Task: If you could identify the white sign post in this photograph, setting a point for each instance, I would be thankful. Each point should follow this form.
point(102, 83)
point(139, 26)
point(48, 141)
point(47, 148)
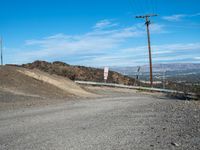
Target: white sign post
point(106, 70)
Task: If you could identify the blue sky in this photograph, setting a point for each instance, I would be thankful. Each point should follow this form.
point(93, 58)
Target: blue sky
point(99, 32)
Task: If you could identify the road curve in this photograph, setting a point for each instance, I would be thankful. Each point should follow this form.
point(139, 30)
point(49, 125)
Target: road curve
point(128, 122)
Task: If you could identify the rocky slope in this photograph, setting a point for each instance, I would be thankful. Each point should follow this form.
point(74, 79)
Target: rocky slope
point(79, 72)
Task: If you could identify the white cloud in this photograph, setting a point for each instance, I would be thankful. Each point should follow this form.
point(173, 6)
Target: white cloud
point(139, 55)
point(95, 41)
point(197, 58)
point(180, 46)
point(195, 15)
point(92, 42)
point(98, 47)
point(119, 57)
point(161, 52)
point(167, 47)
point(157, 28)
point(177, 17)
point(104, 24)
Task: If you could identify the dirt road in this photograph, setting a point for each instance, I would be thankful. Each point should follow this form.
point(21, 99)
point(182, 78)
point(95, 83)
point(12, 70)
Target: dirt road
point(136, 121)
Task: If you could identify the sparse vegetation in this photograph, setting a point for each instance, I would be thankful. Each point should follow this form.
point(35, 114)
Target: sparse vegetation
point(79, 72)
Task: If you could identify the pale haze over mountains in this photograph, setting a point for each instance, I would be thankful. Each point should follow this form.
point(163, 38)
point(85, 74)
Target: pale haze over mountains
point(159, 68)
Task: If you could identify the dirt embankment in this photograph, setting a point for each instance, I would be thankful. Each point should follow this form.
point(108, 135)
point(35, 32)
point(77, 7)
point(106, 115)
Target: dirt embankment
point(62, 83)
point(79, 72)
point(24, 86)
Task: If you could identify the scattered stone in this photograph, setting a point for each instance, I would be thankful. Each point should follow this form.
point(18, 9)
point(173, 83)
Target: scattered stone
point(174, 144)
point(164, 128)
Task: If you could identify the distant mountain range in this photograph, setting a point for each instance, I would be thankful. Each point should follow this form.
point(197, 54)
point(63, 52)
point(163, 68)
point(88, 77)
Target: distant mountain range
point(158, 68)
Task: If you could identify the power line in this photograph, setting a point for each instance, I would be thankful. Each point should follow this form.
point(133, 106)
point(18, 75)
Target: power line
point(147, 22)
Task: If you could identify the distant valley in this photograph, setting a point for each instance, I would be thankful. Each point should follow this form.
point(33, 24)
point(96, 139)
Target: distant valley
point(180, 72)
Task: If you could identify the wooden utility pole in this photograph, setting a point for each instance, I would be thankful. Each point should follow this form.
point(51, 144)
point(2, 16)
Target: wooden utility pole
point(1, 42)
point(148, 22)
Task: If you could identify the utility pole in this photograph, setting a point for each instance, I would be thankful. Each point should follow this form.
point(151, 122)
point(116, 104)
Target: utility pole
point(148, 22)
point(1, 42)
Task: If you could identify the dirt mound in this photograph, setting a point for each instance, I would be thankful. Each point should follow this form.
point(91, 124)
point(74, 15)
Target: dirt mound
point(79, 72)
point(36, 84)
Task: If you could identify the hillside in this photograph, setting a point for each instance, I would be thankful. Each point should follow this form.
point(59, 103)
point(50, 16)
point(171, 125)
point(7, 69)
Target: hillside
point(79, 72)
point(30, 86)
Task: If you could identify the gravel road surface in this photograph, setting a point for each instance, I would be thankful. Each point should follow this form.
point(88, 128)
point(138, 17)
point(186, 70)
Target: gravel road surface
point(136, 121)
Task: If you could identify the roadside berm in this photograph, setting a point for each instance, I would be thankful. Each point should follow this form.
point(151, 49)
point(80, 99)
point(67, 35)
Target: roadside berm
point(20, 84)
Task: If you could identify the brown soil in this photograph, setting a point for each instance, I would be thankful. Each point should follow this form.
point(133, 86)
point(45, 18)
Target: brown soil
point(23, 86)
point(79, 72)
